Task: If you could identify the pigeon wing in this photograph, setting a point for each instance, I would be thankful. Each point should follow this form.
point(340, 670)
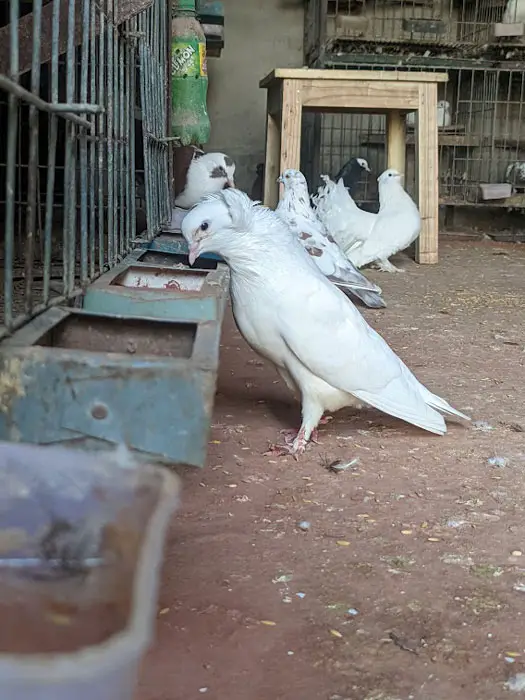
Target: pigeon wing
point(337, 345)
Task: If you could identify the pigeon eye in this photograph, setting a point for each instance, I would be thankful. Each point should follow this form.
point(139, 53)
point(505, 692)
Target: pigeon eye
point(204, 226)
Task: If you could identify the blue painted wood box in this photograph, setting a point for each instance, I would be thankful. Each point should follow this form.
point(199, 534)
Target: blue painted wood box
point(161, 285)
point(94, 380)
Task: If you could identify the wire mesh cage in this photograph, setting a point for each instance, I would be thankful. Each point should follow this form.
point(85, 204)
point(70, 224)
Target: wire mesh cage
point(75, 80)
point(481, 135)
point(334, 24)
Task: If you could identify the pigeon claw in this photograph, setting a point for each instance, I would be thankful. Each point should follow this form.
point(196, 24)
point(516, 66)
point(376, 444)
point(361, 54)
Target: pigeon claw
point(275, 450)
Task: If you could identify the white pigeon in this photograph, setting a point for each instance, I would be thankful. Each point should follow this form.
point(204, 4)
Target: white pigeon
point(336, 209)
point(207, 173)
point(444, 117)
point(514, 12)
point(397, 225)
point(295, 210)
point(292, 315)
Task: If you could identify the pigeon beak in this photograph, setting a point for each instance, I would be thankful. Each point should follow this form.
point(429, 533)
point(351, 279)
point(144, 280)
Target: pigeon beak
point(194, 252)
point(368, 169)
point(280, 180)
point(231, 182)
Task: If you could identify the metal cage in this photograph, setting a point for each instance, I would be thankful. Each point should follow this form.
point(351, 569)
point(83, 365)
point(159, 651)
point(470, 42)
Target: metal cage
point(336, 25)
point(83, 106)
point(480, 140)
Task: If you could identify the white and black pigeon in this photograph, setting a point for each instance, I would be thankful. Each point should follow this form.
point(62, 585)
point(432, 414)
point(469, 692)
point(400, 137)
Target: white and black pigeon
point(397, 225)
point(341, 216)
point(292, 315)
point(207, 173)
point(295, 210)
point(515, 174)
point(352, 172)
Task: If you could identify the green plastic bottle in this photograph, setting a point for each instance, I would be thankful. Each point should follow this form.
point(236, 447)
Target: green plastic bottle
point(189, 76)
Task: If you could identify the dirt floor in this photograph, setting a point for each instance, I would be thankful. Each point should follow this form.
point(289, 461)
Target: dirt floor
point(400, 577)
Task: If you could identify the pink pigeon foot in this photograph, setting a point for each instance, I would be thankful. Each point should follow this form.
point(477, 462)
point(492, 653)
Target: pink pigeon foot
point(297, 447)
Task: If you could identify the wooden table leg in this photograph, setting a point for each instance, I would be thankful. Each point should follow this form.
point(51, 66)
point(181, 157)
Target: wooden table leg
point(291, 125)
point(271, 170)
point(427, 168)
point(396, 140)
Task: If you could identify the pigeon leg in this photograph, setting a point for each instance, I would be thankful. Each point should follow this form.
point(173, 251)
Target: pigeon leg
point(312, 414)
point(386, 266)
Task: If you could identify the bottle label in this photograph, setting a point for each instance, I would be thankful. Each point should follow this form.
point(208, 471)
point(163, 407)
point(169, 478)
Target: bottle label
point(202, 59)
point(188, 58)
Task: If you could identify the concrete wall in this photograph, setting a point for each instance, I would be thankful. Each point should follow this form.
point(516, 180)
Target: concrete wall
point(259, 36)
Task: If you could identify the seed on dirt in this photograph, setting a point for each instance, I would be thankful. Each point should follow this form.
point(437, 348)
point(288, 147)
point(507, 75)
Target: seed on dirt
point(268, 623)
point(433, 539)
point(406, 532)
point(343, 543)
point(516, 553)
point(336, 634)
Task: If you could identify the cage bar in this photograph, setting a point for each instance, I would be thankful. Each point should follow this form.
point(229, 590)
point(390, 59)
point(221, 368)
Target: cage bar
point(68, 75)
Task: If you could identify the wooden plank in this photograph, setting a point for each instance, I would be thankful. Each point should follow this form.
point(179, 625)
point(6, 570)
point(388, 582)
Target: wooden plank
point(360, 75)
point(126, 9)
point(396, 140)
point(291, 125)
point(273, 160)
point(372, 96)
point(427, 169)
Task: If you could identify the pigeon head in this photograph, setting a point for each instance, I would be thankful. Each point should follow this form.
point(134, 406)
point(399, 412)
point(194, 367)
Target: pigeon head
point(219, 223)
point(389, 176)
point(291, 178)
point(221, 169)
point(364, 164)
point(443, 104)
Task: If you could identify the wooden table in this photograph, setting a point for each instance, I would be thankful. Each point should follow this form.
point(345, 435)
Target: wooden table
point(394, 93)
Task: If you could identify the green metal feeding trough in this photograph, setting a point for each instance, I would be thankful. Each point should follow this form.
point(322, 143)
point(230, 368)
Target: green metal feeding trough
point(94, 380)
point(162, 286)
